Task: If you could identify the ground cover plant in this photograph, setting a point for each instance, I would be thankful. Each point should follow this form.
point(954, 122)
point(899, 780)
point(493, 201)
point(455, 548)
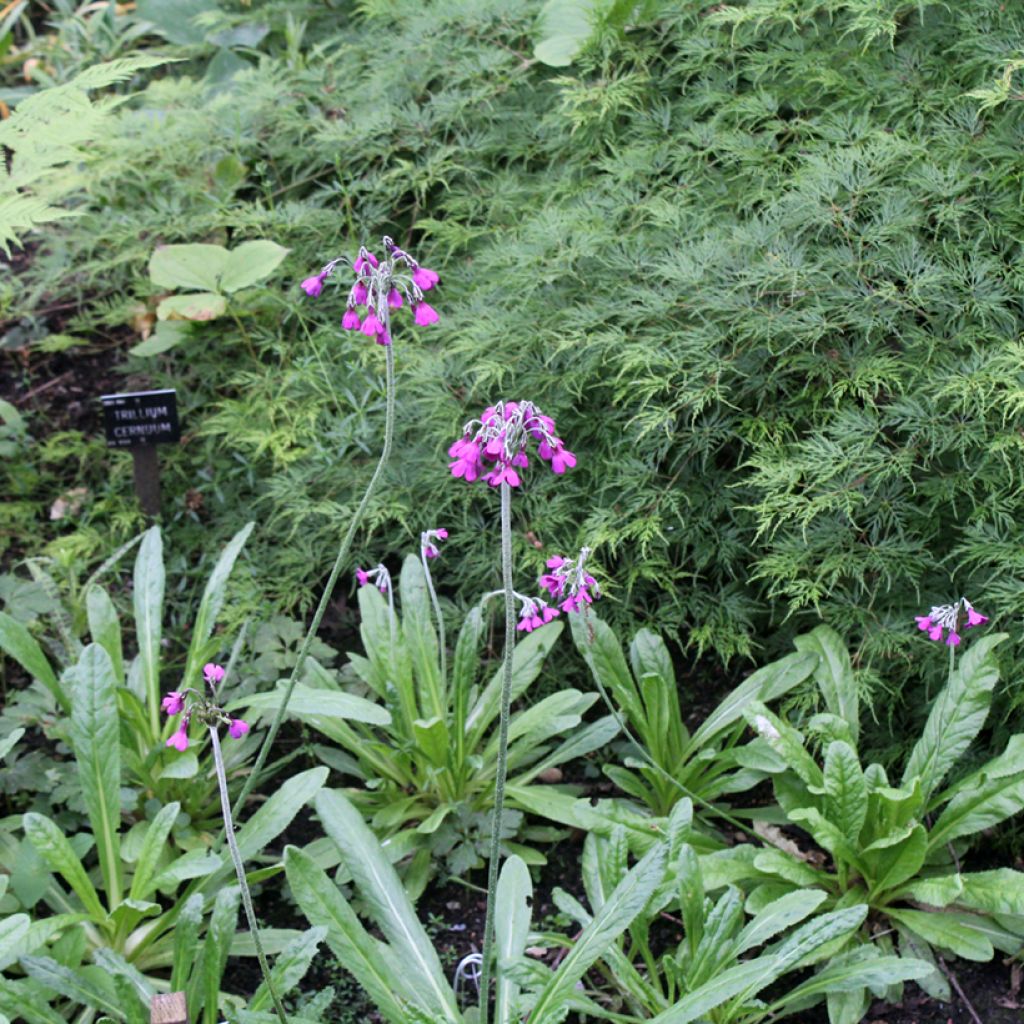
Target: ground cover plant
point(758, 261)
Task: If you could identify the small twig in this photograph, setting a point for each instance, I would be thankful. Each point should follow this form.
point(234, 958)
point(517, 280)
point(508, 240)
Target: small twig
point(959, 991)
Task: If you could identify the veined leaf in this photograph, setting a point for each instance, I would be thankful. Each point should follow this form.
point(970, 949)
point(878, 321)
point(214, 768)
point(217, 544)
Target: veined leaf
point(148, 599)
point(251, 262)
point(421, 640)
point(599, 645)
point(511, 926)
point(834, 675)
point(744, 979)
point(18, 643)
point(309, 704)
point(846, 792)
point(944, 930)
point(105, 628)
point(196, 265)
point(53, 846)
point(290, 966)
point(97, 743)
point(777, 916)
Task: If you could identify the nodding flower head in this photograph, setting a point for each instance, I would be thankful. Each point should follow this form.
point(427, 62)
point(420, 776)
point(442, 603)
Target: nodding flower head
point(494, 447)
point(173, 703)
point(179, 740)
point(378, 576)
point(237, 728)
point(535, 612)
point(394, 282)
point(953, 618)
point(569, 581)
point(428, 539)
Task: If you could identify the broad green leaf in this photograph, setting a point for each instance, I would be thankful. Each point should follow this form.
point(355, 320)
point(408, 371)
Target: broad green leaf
point(26, 999)
point(828, 836)
point(18, 643)
point(803, 946)
point(511, 926)
point(591, 737)
point(148, 599)
point(219, 933)
point(309, 704)
point(564, 26)
point(195, 864)
point(766, 684)
point(276, 813)
point(527, 661)
point(80, 986)
point(743, 980)
point(95, 731)
point(980, 802)
point(186, 942)
point(166, 335)
point(180, 766)
point(846, 792)
point(936, 892)
point(9, 742)
point(53, 846)
point(368, 960)
point(957, 716)
point(432, 739)
point(855, 970)
point(777, 916)
point(421, 640)
point(251, 262)
point(105, 627)
point(620, 909)
point(195, 266)
point(599, 645)
point(114, 964)
point(720, 928)
point(211, 604)
point(944, 930)
point(152, 847)
point(1000, 891)
point(13, 932)
point(193, 306)
point(385, 899)
point(784, 740)
point(899, 863)
point(290, 966)
point(834, 675)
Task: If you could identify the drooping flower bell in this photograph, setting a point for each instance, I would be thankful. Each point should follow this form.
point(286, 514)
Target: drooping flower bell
point(569, 580)
point(951, 619)
point(378, 577)
point(394, 282)
point(428, 542)
point(494, 446)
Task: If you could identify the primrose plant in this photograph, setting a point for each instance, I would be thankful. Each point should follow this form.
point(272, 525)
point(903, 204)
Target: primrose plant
point(381, 285)
point(899, 846)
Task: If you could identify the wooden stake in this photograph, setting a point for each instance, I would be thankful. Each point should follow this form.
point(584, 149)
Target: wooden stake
point(146, 470)
point(168, 1009)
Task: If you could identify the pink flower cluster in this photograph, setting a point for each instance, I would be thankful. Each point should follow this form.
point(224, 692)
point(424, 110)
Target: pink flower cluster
point(494, 447)
point(428, 539)
point(381, 286)
point(566, 581)
point(951, 618)
point(378, 576)
point(174, 704)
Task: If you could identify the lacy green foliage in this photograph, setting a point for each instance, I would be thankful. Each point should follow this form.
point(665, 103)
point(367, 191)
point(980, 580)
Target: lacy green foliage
point(761, 263)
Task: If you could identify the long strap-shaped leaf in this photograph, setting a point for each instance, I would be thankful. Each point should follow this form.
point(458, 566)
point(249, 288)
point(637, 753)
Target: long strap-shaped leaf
point(94, 730)
point(618, 912)
point(511, 925)
point(385, 898)
point(148, 593)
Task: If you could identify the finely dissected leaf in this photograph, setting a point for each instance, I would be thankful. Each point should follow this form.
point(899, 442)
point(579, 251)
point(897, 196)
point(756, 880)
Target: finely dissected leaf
point(621, 907)
point(511, 926)
point(957, 716)
point(846, 792)
point(369, 961)
point(251, 262)
point(212, 602)
point(95, 733)
point(151, 849)
point(834, 675)
point(290, 966)
point(18, 643)
point(105, 627)
point(54, 848)
point(382, 892)
point(148, 599)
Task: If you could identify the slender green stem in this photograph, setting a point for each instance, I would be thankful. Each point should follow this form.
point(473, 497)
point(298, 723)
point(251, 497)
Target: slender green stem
point(339, 564)
point(499, 787)
point(236, 857)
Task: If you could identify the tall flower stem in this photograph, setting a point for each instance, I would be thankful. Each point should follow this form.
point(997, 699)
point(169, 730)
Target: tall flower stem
point(339, 564)
point(499, 786)
point(236, 857)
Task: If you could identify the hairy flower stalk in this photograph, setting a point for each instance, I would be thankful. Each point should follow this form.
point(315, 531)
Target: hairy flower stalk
point(429, 550)
point(494, 449)
point(376, 282)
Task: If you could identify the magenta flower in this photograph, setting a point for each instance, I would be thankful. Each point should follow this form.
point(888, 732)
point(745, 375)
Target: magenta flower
point(424, 279)
point(569, 580)
point(362, 577)
point(180, 739)
point(425, 315)
point(371, 325)
point(395, 298)
point(923, 622)
point(313, 286)
point(364, 261)
point(350, 321)
point(359, 294)
point(975, 618)
point(935, 633)
point(173, 703)
point(213, 674)
point(952, 618)
point(237, 729)
point(494, 446)
point(383, 338)
point(953, 640)
point(379, 577)
point(529, 622)
point(427, 542)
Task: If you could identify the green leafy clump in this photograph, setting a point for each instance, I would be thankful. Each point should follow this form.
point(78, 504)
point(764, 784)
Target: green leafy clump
point(761, 265)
